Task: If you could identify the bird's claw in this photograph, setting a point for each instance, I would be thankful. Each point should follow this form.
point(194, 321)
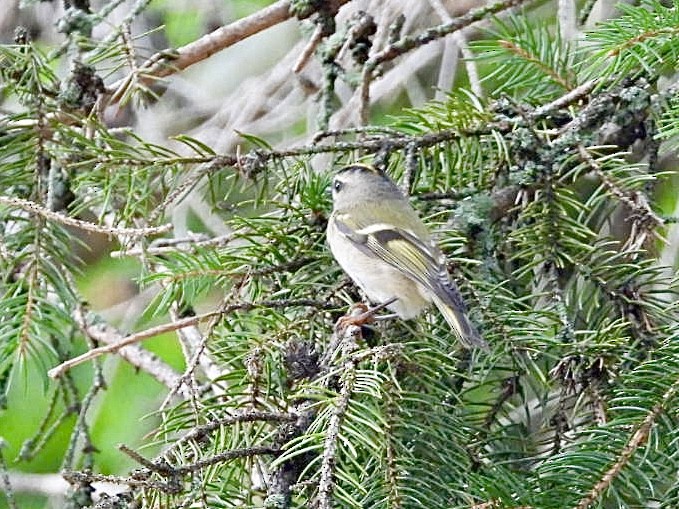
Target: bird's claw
point(360, 314)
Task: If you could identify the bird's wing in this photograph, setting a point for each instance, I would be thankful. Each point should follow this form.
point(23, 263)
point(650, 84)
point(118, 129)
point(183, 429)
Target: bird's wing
point(422, 261)
point(402, 249)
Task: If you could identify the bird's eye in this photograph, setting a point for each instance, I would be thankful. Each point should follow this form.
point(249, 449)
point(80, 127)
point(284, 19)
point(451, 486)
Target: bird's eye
point(337, 186)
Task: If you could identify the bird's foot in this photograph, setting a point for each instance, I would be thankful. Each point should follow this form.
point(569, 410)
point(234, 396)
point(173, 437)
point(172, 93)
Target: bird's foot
point(360, 314)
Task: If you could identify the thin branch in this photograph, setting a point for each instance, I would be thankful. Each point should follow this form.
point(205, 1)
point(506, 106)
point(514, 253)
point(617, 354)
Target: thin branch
point(326, 482)
point(578, 93)
point(134, 354)
point(160, 467)
point(59, 370)
point(166, 63)
point(254, 162)
point(406, 44)
point(199, 432)
point(227, 456)
point(309, 49)
point(34, 208)
point(637, 439)
point(75, 477)
point(437, 32)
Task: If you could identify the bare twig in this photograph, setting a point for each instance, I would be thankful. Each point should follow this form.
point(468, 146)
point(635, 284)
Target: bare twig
point(166, 63)
point(226, 456)
point(34, 208)
point(406, 44)
point(75, 477)
point(434, 33)
point(129, 340)
point(160, 467)
point(200, 432)
point(59, 370)
point(166, 470)
point(309, 49)
point(576, 94)
point(134, 354)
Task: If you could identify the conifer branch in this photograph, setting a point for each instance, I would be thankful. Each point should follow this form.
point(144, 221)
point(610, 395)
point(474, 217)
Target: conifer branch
point(34, 208)
point(638, 438)
point(519, 186)
point(348, 345)
point(634, 201)
point(528, 57)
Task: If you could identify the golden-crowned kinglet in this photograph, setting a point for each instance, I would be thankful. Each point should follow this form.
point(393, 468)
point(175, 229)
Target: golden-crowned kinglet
point(380, 241)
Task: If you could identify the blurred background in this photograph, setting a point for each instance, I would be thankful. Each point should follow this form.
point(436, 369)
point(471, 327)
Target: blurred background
point(249, 88)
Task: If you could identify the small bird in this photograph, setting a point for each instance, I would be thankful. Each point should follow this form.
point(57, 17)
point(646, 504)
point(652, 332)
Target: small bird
point(381, 243)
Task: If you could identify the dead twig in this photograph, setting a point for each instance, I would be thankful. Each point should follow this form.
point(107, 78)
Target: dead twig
point(59, 370)
point(166, 63)
point(111, 231)
point(404, 45)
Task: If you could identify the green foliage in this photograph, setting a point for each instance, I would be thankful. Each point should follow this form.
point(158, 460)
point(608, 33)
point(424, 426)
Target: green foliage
point(542, 202)
point(526, 61)
point(642, 42)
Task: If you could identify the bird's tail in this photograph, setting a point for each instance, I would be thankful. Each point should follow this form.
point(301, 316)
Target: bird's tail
point(453, 311)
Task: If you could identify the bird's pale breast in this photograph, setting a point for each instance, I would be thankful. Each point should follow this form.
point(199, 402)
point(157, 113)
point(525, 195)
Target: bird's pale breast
point(379, 280)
